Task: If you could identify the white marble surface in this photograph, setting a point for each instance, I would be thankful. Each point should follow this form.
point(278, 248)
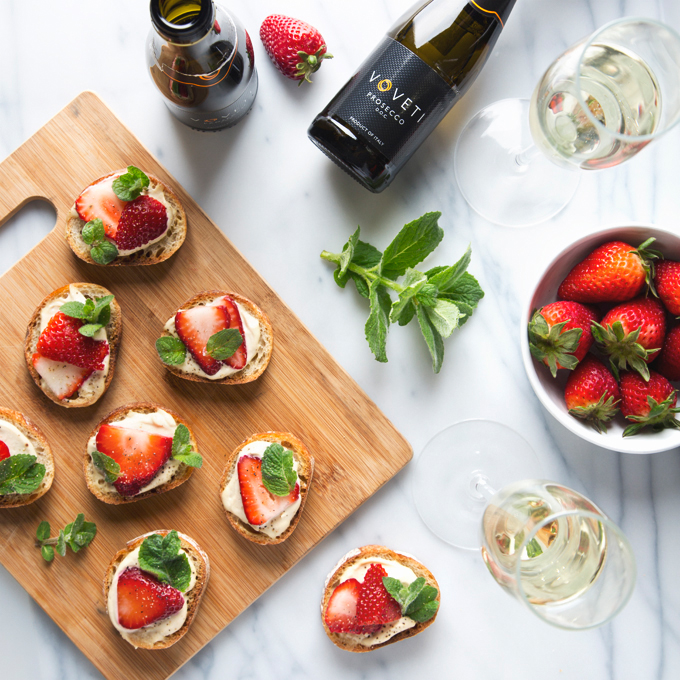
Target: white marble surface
point(282, 202)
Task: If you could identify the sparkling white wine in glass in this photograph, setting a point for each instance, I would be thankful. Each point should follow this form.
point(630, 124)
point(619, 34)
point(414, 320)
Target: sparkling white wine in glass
point(621, 94)
point(565, 556)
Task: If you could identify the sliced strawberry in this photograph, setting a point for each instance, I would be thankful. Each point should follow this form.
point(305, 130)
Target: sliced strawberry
point(4, 451)
point(341, 612)
point(375, 605)
point(99, 201)
point(61, 341)
point(142, 221)
point(62, 379)
point(195, 326)
point(258, 504)
point(240, 358)
point(140, 455)
point(143, 599)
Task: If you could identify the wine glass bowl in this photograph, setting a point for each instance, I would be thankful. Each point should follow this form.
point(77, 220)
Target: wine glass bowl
point(549, 390)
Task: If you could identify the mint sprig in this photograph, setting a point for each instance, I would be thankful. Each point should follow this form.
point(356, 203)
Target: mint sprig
point(171, 350)
point(160, 556)
point(96, 313)
point(20, 474)
point(223, 344)
point(102, 251)
point(278, 474)
point(417, 600)
point(442, 299)
point(129, 185)
point(182, 449)
point(76, 535)
point(107, 465)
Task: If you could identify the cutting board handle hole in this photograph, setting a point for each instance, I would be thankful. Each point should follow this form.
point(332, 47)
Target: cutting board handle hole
point(24, 230)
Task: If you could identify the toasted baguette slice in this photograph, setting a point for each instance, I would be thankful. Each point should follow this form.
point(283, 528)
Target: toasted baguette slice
point(151, 254)
point(114, 330)
point(344, 640)
point(107, 492)
point(43, 455)
point(193, 598)
point(256, 365)
point(305, 471)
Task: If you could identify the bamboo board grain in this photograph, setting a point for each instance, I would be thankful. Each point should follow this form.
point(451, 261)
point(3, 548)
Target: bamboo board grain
point(355, 447)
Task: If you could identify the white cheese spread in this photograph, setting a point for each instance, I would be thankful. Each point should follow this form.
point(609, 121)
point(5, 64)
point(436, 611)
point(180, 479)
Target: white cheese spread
point(15, 440)
point(231, 496)
point(154, 632)
point(158, 422)
point(253, 338)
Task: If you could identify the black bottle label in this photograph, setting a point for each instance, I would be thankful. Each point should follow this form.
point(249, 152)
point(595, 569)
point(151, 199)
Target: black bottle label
point(394, 100)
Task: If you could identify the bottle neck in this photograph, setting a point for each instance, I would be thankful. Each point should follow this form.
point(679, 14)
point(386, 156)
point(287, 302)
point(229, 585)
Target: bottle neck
point(499, 8)
point(182, 22)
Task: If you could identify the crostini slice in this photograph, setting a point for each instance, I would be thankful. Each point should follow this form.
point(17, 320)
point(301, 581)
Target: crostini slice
point(127, 217)
point(150, 605)
point(217, 337)
point(24, 479)
point(139, 450)
point(72, 343)
point(264, 486)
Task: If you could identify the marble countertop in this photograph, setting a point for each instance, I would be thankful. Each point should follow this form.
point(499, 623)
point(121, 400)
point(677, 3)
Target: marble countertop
point(282, 202)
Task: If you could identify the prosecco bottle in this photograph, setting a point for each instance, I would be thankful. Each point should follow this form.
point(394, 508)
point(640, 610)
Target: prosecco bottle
point(407, 85)
point(201, 60)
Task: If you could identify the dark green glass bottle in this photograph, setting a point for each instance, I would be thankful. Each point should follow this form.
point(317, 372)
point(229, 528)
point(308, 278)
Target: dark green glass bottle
point(407, 85)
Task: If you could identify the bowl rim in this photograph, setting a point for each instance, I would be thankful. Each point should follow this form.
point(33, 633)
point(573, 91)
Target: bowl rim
point(562, 416)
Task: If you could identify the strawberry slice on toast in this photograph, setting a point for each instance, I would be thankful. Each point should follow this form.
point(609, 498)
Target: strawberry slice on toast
point(99, 201)
point(259, 504)
point(143, 599)
point(341, 613)
point(4, 451)
point(195, 327)
point(140, 455)
point(62, 379)
point(375, 605)
point(240, 358)
point(142, 221)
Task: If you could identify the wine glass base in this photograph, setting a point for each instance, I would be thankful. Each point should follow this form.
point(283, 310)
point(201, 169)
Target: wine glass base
point(492, 181)
point(444, 480)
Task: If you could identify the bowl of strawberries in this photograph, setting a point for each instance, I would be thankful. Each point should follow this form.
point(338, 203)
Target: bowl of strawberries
point(601, 346)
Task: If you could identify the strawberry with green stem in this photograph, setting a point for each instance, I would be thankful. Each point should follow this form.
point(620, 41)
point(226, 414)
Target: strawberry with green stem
point(648, 403)
point(560, 335)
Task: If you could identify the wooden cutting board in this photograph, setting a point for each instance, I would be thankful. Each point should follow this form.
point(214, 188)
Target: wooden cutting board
point(303, 391)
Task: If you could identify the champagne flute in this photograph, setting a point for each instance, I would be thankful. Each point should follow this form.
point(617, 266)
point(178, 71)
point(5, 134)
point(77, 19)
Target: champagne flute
point(597, 105)
point(544, 543)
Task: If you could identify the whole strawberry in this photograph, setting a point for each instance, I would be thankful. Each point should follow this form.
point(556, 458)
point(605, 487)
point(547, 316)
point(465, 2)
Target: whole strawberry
point(592, 394)
point(631, 334)
point(667, 281)
point(647, 404)
point(560, 335)
point(614, 272)
point(296, 48)
point(668, 363)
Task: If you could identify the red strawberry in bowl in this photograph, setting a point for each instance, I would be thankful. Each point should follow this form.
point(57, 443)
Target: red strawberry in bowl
point(143, 599)
point(296, 48)
point(648, 403)
point(140, 455)
point(631, 334)
point(667, 282)
point(592, 393)
point(142, 222)
point(668, 363)
point(560, 335)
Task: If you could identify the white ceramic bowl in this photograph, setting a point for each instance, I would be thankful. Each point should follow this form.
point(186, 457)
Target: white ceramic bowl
point(549, 390)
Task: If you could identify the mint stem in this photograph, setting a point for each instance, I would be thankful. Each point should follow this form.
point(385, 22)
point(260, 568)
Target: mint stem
point(362, 271)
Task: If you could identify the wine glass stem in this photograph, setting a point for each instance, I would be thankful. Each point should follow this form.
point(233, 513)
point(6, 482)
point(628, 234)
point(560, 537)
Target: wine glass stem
point(525, 157)
point(480, 483)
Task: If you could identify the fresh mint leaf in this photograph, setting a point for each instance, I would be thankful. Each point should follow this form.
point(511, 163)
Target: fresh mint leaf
point(412, 284)
point(424, 612)
point(129, 185)
point(43, 532)
point(88, 309)
point(466, 289)
point(93, 232)
point(379, 320)
point(61, 544)
point(107, 465)
point(182, 449)
point(446, 279)
point(160, 556)
point(79, 533)
point(348, 252)
point(417, 600)
point(104, 252)
point(427, 295)
point(47, 552)
point(412, 245)
point(278, 474)
point(360, 284)
point(74, 309)
point(407, 313)
point(444, 316)
point(223, 344)
point(432, 338)
point(364, 256)
point(89, 329)
point(102, 305)
point(20, 474)
point(171, 350)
